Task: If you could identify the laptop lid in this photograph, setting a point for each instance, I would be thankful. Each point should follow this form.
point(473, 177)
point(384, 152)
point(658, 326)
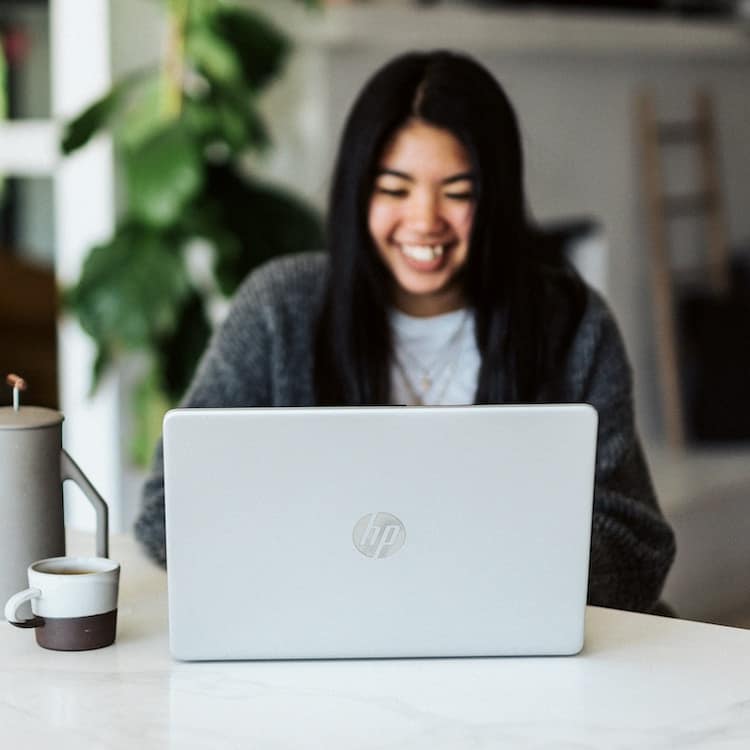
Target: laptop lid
point(378, 531)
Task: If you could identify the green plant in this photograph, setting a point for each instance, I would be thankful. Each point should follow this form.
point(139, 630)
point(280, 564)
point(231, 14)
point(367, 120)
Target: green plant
point(181, 134)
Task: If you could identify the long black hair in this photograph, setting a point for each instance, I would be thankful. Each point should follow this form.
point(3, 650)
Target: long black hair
point(521, 331)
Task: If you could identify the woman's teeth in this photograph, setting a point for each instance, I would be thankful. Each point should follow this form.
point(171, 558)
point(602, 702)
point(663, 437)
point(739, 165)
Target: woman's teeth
point(423, 253)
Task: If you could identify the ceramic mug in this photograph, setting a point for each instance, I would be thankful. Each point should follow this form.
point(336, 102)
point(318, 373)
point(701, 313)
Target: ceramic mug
point(74, 602)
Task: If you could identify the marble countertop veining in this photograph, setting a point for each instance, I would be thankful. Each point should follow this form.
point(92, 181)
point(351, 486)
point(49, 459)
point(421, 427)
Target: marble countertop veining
point(641, 682)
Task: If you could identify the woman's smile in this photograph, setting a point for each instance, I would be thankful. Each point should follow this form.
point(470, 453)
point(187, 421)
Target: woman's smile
point(425, 257)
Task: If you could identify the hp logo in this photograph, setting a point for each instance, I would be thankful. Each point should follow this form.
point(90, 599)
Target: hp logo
point(379, 535)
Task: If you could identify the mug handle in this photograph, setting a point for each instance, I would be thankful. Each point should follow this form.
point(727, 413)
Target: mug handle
point(15, 601)
point(69, 470)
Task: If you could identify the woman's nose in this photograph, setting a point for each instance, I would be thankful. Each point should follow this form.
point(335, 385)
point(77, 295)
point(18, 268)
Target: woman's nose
point(424, 213)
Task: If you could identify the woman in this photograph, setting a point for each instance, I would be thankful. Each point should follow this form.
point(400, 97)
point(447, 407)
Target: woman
point(433, 292)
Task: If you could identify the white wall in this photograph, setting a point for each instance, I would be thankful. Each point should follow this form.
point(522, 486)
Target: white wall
point(572, 80)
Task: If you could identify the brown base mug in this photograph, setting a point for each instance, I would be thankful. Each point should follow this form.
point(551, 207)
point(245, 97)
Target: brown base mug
point(73, 600)
point(77, 633)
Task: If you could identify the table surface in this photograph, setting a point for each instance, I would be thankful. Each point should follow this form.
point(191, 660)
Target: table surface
point(641, 682)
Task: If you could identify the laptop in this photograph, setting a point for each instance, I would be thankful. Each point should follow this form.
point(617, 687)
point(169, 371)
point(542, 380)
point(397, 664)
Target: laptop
point(318, 533)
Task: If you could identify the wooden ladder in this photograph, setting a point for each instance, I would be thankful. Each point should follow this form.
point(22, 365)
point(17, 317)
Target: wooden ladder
point(663, 206)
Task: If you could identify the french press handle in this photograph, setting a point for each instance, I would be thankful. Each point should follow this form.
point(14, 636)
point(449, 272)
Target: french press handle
point(69, 470)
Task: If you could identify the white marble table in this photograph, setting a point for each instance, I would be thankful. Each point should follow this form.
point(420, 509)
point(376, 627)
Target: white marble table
point(641, 682)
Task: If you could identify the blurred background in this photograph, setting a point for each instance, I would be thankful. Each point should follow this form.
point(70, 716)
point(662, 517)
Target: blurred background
point(210, 149)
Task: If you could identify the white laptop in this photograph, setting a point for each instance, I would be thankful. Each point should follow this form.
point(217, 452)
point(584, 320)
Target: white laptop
point(298, 533)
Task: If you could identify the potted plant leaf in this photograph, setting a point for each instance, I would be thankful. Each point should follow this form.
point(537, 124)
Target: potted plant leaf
point(194, 221)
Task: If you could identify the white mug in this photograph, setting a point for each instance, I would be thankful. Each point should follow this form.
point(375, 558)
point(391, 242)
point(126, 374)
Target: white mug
point(74, 602)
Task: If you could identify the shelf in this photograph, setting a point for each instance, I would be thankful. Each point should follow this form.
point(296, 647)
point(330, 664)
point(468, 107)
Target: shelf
point(517, 31)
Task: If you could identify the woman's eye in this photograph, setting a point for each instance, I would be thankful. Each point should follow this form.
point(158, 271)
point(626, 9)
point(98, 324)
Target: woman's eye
point(466, 196)
point(394, 192)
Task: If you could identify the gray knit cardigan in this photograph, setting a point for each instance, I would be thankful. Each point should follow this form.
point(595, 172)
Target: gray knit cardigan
point(262, 356)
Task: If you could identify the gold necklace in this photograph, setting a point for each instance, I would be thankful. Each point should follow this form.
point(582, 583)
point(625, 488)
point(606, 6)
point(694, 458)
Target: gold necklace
point(442, 367)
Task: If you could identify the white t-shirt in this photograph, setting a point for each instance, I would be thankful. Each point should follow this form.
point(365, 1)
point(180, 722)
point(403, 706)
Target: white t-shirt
point(437, 361)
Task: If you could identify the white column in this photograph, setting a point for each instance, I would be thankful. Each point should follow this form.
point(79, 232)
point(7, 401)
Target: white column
point(84, 216)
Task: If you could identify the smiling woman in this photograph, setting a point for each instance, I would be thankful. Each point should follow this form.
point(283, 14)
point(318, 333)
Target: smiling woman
point(420, 217)
point(434, 290)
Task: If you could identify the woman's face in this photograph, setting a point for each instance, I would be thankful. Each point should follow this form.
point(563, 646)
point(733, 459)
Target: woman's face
point(420, 217)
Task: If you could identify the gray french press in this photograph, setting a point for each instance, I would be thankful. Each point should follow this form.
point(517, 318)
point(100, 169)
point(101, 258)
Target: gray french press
point(33, 466)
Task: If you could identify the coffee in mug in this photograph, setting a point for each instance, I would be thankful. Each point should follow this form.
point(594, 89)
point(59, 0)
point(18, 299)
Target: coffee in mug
point(74, 602)
point(74, 572)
